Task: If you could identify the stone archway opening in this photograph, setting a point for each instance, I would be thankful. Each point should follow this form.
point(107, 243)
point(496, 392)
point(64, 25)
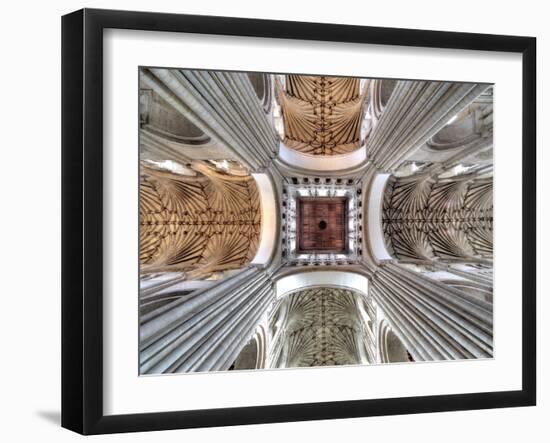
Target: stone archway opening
point(392, 349)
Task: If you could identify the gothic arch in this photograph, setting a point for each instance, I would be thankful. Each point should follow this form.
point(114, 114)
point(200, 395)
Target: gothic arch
point(159, 118)
point(314, 296)
point(300, 279)
point(392, 349)
point(263, 88)
point(253, 355)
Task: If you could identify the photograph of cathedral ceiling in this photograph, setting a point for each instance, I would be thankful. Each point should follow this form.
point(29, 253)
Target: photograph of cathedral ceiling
point(292, 221)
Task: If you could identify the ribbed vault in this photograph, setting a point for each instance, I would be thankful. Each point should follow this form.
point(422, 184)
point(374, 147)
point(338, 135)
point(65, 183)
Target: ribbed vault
point(424, 217)
point(199, 224)
point(317, 327)
point(322, 115)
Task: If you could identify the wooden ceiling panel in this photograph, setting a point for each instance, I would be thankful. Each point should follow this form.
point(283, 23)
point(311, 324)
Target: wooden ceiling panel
point(322, 225)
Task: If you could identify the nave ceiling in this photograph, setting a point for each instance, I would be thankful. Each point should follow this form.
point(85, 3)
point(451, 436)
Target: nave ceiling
point(199, 224)
point(317, 327)
point(322, 115)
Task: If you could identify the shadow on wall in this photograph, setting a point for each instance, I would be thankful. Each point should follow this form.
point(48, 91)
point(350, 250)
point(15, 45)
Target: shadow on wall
point(53, 417)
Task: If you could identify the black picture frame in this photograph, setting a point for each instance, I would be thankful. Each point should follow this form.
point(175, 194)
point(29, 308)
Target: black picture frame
point(82, 219)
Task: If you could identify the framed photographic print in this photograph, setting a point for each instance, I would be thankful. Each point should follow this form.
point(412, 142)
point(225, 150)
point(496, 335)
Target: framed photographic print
point(271, 221)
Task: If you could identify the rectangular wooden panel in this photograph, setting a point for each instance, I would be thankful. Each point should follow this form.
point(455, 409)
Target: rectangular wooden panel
point(322, 224)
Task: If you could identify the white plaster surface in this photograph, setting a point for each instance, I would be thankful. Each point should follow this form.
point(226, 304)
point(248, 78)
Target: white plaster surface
point(268, 233)
point(322, 163)
point(374, 217)
point(303, 280)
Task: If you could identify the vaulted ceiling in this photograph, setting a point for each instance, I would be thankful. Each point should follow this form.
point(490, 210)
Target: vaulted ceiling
point(322, 115)
point(424, 217)
point(199, 224)
point(319, 327)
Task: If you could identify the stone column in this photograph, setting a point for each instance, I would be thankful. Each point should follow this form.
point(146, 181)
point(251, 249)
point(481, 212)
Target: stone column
point(416, 111)
point(224, 105)
point(483, 281)
point(205, 330)
point(366, 338)
point(434, 321)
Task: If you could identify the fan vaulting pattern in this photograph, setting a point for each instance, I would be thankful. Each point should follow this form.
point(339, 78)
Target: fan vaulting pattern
point(317, 327)
point(201, 224)
point(425, 218)
point(322, 115)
